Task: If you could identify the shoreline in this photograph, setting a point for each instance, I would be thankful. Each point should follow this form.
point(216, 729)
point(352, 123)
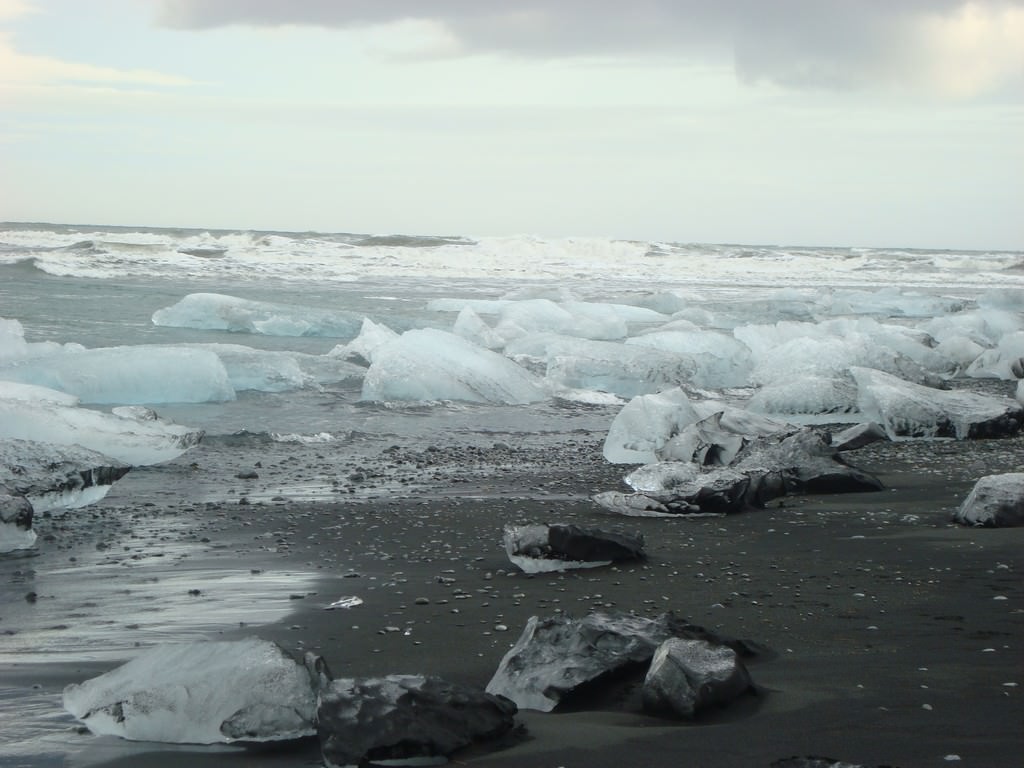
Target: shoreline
point(878, 611)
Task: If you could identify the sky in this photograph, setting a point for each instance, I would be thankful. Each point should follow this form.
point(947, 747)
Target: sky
point(885, 123)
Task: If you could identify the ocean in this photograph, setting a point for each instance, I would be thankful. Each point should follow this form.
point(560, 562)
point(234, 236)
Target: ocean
point(282, 311)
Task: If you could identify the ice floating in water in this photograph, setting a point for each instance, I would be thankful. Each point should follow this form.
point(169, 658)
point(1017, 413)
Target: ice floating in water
point(371, 337)
point(200, 693)
point(603, 366)
point(50, 418)
point(469, 326)
point(135, 374)
point(429, 365)
point(719, 360)
point(215, 311)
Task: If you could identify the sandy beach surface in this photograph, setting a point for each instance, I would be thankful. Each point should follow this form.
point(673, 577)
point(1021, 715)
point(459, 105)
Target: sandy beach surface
point(892, 636)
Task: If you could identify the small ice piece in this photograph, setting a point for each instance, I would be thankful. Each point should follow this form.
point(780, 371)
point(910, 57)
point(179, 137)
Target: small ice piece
point(561, 547)
point(15, 521)
point(645, 424)
point(200, 693)
point(349, 601)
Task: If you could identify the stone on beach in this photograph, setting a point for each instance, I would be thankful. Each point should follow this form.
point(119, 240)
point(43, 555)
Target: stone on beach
point(687, 676)
point(996, 501)
point(556, 655)
point(558, 547)
point(400, 717)
point(201, 693)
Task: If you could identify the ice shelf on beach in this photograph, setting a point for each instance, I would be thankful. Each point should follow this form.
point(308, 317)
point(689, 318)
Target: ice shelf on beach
point(427, 365)
point(131, 436)
point(215, 311)
point(200, 693)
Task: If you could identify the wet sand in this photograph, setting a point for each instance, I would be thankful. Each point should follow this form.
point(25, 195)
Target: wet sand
point(893, 635)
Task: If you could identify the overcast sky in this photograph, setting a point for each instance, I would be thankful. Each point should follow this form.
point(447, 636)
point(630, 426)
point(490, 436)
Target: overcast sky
point(814, 122)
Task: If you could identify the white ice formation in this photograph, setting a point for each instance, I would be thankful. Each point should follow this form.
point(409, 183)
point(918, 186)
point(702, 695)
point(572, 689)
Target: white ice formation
point(200, 693)
point(215, 311)
point(429, 365)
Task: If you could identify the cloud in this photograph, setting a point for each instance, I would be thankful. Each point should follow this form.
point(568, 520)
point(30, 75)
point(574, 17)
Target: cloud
point(21, 69)
point(961, 48)
point(13, 9)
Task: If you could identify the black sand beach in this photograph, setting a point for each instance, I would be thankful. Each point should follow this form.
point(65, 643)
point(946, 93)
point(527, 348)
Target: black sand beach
point(892, 636)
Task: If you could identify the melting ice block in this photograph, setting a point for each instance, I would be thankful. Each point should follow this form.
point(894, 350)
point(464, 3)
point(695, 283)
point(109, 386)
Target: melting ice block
point(215, 311)
point(428, 365)
point(132, 374)
point(371, 337)
point(645, 424)
point(603, 366)
point(15, 521)
point(56, 476)
point(201, 693)
point(995, 500)
point(40, 415)
point(910, 410)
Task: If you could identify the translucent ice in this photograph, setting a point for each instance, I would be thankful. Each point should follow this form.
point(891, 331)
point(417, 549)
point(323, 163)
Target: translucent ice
point(51, 418)
point(645, 424)
point(428, 365)
point(719, 359)
point(372, 336)
point(910, 410)
point(604, 366)
point(469, 326)
point(215, 311)
point(200, 693)
point(130, 375)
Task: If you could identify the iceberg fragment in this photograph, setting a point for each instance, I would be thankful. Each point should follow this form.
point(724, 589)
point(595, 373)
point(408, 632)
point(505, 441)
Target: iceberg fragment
point(428, 365)
point(51, 419)
point(129, 375)
point(200, 693)
point(372, 336)
point(215, 311)
point(905, 409)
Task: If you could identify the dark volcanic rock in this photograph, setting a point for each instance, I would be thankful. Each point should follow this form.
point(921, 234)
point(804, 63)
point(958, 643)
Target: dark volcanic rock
point(405, 716)
point(554, 656)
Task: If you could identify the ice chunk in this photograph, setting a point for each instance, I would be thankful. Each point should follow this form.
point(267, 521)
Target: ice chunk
point(720, 360)
point(910, 410)
point(645, 424)
point(131, 441)
point(200, 693)
point(1003, 362)
point(130, 375)
point(588, 321)
point(56, 476)
point(995, 500)
point(428, 365)
point(279, 371)
point(215, 311)
point(603, 366)
point(469, 326)
point(372, 336)
point(807, 394)
point(663, 476)
point(15, 520)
